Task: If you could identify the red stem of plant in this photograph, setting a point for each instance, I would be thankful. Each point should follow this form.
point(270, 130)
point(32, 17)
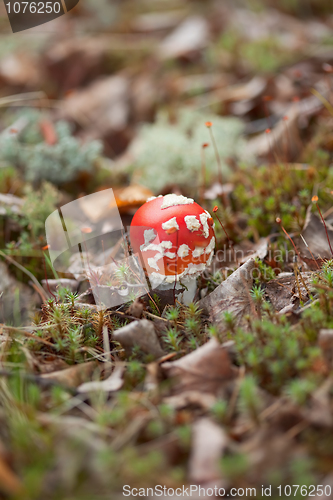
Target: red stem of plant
point(323, 220)
point(47, 283)
point(285, 232)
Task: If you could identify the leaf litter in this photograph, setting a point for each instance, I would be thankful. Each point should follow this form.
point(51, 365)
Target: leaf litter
point(236, 390)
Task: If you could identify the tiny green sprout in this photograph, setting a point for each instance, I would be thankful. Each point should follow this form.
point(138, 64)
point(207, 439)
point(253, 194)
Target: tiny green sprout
point(71, 297)
point(257, 294)
point(155, 305)
point(193, 326)
point(172, 314)
point(155, 428)
point(184, 433)
point(229, 320)
point(213, 331)
point(300, 389)
point(61, 344)
point(219, 409)
point(122, 272)
point(172, 337)
point(167, 412)
point(249, 400)
point(92, 340)
point(193, 311)
point(192, 343)
point(62, 293)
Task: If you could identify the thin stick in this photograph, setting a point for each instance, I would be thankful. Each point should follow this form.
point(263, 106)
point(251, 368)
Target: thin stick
point(278, 220)
point(307, 246)
point(215, 209)
point(315, 200)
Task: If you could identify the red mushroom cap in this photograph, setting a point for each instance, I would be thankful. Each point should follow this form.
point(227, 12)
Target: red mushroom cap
point(174, 236)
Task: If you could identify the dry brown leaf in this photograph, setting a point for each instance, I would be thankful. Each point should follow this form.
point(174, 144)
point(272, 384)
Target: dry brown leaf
point(205, 370)
point(283, 141)
point(283, 291)
point(325, 342)
point(102, 106)
point(131, 197)
point(232, 296)
point(139, 333)
point(243, 91)
point(111, 384)
point(319, 411)
point(155, 21)
point(191, 35)
point(20, 69)
point(192, 399)
point(315, 236)
point(73, 376)
point(208, 444)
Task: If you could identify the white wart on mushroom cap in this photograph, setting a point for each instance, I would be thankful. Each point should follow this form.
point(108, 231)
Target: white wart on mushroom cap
point(175, 237)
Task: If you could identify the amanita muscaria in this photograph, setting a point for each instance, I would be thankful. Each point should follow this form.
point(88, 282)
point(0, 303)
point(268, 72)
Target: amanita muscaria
point(175, 238)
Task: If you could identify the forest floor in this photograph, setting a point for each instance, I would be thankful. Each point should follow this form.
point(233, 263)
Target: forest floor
point(231, 104)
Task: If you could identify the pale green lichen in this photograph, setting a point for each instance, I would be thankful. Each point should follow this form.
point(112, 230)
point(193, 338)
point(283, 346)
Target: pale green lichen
point(38, 161)
point(171, 152)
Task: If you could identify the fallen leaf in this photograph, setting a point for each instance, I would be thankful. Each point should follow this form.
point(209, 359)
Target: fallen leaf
point(190, 36)
point(111, 384)
point(318, 411)
point(283, 140)
point(244, 91)
point(325, 342)
point(20, 69)
point(155, 21)
point(217, 190)
point(9, 201)
point(102, 107)
point(209, 442)
point(205, 370)
point(191, 399)
point(136, 308)
point(232, 296)
point(139, 333)
point(315, 237)
point(283, 290)
point(73, 376)
point(131, 197)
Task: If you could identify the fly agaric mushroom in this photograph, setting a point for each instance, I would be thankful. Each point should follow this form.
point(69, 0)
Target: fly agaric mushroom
point(175, 238)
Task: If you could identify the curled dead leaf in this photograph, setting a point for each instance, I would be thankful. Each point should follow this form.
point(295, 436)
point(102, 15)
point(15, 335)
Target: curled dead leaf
point(206, 369)
point(232, 296)
point(209, 443)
